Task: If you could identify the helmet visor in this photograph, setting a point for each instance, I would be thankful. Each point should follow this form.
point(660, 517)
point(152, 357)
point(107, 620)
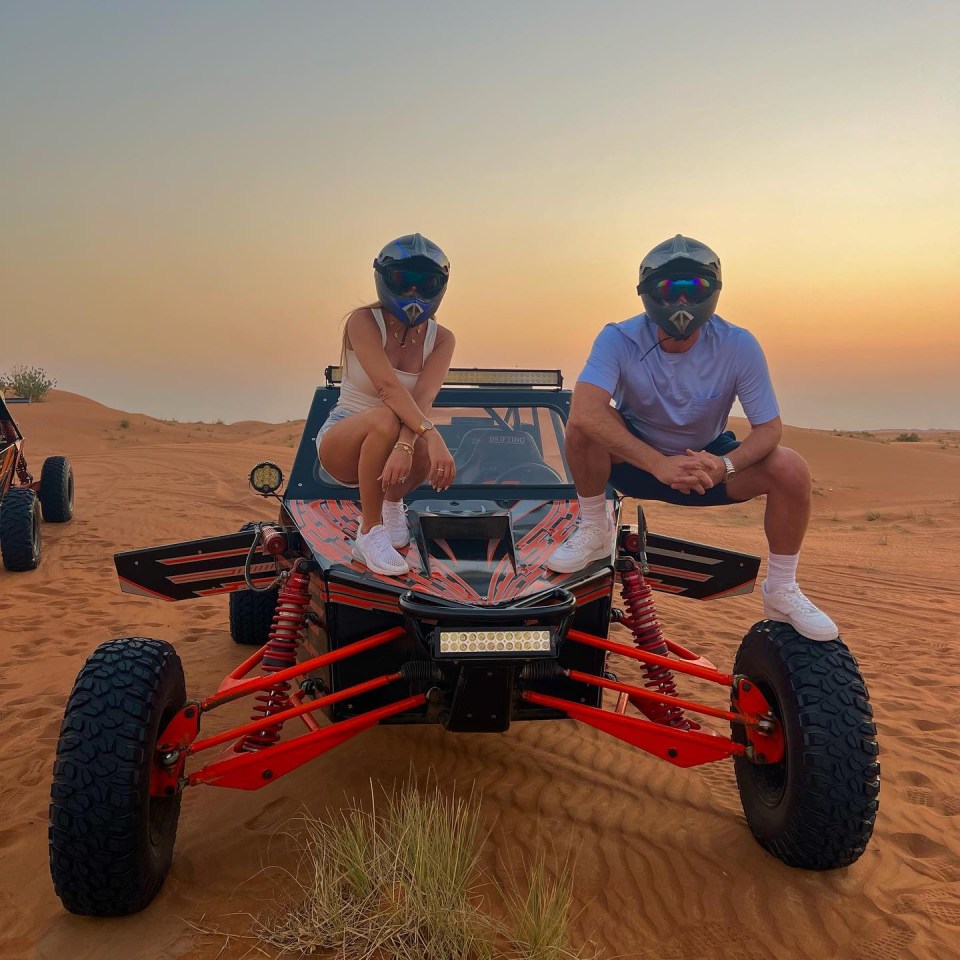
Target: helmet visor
point(428, 283)
point(689, 289)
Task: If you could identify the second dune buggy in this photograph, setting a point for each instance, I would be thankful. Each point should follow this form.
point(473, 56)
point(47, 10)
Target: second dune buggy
point(478, 636)
point(24, 499)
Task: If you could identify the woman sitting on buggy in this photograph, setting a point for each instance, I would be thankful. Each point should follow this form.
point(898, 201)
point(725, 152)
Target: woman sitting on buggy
point(379, 436)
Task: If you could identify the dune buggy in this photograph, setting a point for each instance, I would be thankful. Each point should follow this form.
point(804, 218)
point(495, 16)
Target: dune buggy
point(22, 499)
point(478, 636)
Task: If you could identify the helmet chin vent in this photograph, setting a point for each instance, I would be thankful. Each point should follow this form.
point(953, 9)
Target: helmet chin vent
point(681, 320)
point(414, 312)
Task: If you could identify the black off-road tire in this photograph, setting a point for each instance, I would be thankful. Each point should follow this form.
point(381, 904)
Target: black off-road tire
point(111, 843)
point(56, 490)
point(251, 612)
point(20, 542)
point(816, 808)
point(251, 616)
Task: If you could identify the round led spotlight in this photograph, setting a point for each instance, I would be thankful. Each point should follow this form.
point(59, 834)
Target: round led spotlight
point(266, 478)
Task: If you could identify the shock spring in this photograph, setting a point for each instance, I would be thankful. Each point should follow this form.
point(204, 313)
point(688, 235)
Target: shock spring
point(289, 619)
point(640, 617)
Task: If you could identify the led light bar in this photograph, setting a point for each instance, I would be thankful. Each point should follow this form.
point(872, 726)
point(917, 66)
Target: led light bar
point(496, 642)
point(482, 377)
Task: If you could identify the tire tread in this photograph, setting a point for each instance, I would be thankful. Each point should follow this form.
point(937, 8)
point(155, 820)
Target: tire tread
point(17, 529)
point(251, 616)
point(102, 767)
point(55, 483)
point(837, 787)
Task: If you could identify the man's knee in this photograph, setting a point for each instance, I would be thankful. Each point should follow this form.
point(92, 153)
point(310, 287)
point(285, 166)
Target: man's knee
point(789, 471)
point(577, 441)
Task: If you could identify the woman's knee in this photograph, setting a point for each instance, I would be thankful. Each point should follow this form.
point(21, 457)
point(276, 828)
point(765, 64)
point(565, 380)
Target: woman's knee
point(384, 422)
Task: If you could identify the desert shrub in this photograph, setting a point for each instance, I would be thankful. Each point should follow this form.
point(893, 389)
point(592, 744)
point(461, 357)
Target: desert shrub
point(871, 515)
point(124, 424)
point(908, 438)
point(30, 382)
point(404, 880)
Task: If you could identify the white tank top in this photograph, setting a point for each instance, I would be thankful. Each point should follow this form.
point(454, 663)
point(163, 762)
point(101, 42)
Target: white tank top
point(357, 391)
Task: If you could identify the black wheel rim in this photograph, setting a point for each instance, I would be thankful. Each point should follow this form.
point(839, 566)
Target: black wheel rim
point(161, 811)
point(771, 778)
point(36, 535)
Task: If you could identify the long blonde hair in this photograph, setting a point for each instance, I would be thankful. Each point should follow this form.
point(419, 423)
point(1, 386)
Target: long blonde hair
point(376, 305)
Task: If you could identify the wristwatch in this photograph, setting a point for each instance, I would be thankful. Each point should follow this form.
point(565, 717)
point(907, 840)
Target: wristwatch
point(424, 427)
point(731, 470)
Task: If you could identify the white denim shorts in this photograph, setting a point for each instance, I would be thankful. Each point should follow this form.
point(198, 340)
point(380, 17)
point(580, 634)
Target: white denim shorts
point(337, 414)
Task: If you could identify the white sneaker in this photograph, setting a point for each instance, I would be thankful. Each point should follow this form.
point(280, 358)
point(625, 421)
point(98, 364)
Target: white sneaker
point(373, 549)
point(395, 521)
point(587, 542)
point(788, 605)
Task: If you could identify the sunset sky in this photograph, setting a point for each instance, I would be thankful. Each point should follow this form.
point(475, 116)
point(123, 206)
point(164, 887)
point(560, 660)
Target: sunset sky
point(191, 194)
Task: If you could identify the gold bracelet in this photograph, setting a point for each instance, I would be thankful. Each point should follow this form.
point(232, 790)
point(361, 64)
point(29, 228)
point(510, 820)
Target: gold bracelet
point(400, 445)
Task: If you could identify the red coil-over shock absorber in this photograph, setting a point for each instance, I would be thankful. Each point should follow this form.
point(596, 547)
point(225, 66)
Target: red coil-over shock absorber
point(640, 616)
point(289, 620)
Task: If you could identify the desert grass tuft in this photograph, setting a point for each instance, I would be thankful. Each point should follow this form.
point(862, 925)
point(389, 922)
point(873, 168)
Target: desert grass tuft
point(404, 880)
point(541, 913)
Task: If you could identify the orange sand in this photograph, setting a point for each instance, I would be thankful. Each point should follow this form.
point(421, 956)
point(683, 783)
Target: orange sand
point(666, 865)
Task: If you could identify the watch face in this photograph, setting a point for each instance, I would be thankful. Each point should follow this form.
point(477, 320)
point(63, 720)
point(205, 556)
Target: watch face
point(426, 425)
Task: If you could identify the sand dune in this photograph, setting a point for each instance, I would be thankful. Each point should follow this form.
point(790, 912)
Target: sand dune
point(666, 866)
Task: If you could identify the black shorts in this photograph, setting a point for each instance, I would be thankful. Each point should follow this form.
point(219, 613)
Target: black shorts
point(631, 481)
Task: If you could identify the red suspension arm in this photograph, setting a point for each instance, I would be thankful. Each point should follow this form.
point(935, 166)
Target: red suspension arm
point(227, 735)
point(656, 697)
point(684, 748)
point(234, 692)
point(678, 666)
point(250, 771)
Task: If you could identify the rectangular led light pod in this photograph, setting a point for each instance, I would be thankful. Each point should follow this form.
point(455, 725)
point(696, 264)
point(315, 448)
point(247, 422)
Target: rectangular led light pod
point(482, 377)
point(493, 643)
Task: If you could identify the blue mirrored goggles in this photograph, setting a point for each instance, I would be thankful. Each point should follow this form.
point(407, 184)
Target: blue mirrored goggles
point(688, 289)
point(399, 280)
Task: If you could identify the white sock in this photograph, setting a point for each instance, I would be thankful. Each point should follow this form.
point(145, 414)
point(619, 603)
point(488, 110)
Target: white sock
point(392, 509)
point(593, 510)
point(781, 570)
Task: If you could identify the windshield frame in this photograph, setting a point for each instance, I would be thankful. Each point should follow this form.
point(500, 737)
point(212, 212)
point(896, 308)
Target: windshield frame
point(307, 483)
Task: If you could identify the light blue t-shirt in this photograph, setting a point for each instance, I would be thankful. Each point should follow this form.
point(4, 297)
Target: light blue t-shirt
point(681, 400)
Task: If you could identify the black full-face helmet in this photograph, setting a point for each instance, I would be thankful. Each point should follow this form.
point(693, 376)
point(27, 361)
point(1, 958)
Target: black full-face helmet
point(411, 278)
point(680, 285)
